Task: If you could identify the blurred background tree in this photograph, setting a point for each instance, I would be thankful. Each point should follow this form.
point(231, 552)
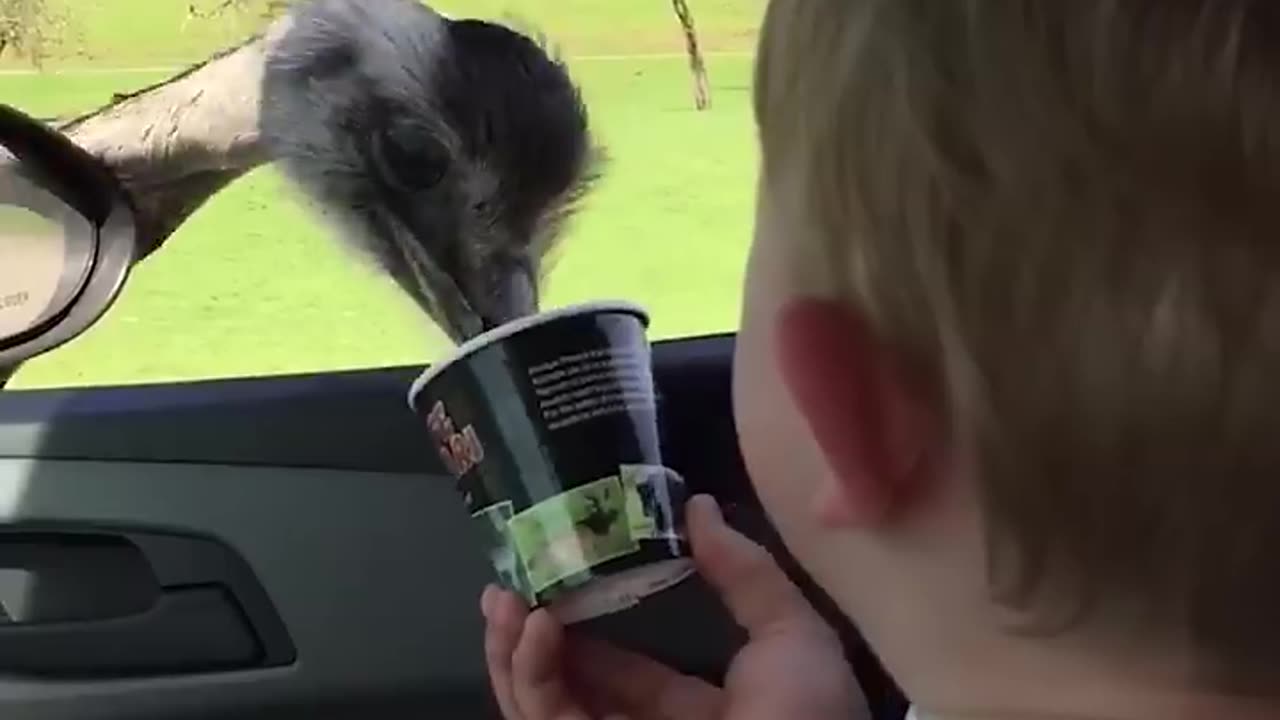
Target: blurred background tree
point(30, 29)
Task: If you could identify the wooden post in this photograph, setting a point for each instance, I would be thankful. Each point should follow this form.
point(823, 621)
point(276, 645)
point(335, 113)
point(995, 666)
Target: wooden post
point(697, 65)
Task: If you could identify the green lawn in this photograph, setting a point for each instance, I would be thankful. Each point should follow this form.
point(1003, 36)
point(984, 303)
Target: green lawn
point(133, 33)
point(253, 286)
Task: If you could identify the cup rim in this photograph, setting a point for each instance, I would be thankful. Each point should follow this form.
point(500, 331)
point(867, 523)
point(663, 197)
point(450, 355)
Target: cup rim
point(519, 325)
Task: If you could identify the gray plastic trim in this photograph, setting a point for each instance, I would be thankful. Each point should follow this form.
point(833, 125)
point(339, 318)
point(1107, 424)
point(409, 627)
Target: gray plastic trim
point(370, 573)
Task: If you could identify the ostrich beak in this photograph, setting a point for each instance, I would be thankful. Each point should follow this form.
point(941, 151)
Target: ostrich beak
point(514, 295)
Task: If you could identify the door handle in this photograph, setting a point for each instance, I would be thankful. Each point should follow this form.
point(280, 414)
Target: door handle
point(189, 630)
point(165, 604)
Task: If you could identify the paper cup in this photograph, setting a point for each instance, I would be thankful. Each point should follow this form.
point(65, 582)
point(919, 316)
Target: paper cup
point(549, 427)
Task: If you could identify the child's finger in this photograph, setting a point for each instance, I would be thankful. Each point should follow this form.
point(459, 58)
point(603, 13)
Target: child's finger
point(504, 622)
point(537, 672)
point(749, 581)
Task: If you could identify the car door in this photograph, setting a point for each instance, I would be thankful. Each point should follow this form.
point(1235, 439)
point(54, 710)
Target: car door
point(277, 547)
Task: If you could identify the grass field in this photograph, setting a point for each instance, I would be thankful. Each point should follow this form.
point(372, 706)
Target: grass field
point(253, 286)
point(134, 33)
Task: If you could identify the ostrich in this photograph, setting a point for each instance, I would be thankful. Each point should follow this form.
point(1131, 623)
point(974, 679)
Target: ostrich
point(448, 151)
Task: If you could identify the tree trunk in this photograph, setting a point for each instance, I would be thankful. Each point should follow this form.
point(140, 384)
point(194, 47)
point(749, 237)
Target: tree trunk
point(697, 65)
point(177, 143)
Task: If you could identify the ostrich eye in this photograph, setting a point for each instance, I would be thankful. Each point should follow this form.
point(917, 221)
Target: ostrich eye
point(408, 157)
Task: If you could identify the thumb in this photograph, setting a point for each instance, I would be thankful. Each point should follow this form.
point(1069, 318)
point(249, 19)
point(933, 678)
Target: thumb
point(749, 581)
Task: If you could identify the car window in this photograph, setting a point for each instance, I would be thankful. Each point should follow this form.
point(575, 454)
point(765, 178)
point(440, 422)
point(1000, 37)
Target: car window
point(254, 282)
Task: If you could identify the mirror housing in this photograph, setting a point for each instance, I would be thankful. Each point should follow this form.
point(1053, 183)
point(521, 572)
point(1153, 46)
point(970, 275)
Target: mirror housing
point(70, 242)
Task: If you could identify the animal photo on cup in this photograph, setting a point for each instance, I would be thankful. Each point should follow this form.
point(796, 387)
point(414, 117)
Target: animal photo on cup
point(573, 532)
point(655, 501)
point(493, 523)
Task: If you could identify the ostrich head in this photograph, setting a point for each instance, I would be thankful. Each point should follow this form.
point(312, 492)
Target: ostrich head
point(448, 150)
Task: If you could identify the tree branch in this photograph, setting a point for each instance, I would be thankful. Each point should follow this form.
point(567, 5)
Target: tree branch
point(218, 9)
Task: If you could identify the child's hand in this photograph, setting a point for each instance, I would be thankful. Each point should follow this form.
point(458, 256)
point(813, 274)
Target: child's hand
point(793, 665)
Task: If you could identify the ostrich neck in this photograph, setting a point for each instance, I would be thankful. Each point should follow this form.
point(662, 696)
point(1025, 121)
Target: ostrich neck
point(176, 143)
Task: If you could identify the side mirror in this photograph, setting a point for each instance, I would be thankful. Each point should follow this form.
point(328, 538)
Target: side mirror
point(67, 239)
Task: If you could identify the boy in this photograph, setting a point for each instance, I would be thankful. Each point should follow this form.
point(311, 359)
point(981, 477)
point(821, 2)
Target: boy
point(1007, 373)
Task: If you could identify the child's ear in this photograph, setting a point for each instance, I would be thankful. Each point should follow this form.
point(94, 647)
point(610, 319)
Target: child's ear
point(869, 421)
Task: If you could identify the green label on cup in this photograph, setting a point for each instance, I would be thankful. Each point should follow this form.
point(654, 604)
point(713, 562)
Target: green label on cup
point(566, 537)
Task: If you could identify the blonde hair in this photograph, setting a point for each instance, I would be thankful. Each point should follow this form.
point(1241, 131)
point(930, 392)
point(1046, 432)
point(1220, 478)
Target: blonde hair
point(1069, 212)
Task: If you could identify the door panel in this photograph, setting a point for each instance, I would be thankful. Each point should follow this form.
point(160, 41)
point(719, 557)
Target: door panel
point(320, 485)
